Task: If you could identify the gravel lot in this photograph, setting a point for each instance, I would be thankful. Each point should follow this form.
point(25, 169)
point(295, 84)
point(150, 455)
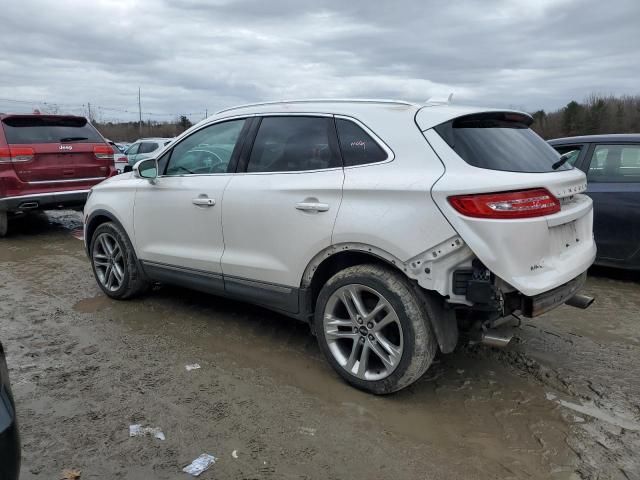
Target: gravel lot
point(561, 402)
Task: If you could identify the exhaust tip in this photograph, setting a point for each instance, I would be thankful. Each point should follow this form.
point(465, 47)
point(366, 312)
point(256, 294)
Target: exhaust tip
point(495, 340)
point(580, 301)
point(28, 205)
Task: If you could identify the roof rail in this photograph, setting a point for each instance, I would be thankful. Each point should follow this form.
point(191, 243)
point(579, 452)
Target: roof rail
point(320, 100)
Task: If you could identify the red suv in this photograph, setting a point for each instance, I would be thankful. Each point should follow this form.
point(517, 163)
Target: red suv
point(49, 161)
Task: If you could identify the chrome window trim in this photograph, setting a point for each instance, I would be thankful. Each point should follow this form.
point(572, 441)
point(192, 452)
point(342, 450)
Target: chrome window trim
point(182, 137)
point(390, 153)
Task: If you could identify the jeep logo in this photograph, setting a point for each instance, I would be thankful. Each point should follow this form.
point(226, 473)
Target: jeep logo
point(66, 147)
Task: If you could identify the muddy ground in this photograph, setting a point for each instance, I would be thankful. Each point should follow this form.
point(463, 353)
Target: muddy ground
point(561, 402)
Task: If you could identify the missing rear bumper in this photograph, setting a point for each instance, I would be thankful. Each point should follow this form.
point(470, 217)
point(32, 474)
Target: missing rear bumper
point(544, 302)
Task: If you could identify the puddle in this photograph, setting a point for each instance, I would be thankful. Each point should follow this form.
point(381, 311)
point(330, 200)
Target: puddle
point(93, 304)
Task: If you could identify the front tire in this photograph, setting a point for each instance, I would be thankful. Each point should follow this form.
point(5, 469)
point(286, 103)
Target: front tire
point(373, 328)
point(114, 263)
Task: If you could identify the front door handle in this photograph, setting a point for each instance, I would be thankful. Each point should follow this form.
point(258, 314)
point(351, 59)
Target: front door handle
point(203, 202)
point(312, 206)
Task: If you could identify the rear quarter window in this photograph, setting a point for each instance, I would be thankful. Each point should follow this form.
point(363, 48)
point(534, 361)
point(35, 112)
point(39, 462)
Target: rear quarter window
point(500, 141)
point(48, 129)
point(356, 145)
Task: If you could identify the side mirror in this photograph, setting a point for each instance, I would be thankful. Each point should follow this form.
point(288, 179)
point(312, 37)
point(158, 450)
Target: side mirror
point(146, 169)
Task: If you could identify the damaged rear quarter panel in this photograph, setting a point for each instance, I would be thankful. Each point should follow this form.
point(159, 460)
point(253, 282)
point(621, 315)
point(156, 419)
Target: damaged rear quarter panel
point(388, 205)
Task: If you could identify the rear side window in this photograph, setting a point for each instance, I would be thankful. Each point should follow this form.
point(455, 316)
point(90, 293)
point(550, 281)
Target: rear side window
point(356, 145)
point(500, 141)
point(49, 129)
point(615, 163)
point(292, 144)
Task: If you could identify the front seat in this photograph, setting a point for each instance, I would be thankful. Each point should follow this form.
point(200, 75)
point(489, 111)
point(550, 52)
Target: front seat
point(612, 164)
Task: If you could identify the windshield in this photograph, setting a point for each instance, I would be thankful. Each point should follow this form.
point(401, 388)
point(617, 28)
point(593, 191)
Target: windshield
point(500, 141)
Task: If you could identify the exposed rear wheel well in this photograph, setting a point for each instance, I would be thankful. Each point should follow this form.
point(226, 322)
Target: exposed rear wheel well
point(443, 319)
point(335, 263)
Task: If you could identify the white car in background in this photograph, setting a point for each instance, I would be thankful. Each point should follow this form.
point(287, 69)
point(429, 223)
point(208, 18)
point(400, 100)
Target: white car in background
point(119, 159)
point(145, 148)
point(388, 226)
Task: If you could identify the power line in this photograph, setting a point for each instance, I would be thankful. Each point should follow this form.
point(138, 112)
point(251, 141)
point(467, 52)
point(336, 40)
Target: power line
point(100, 107)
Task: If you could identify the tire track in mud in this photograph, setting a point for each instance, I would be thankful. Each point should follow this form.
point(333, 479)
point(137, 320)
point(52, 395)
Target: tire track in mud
point(596, 386)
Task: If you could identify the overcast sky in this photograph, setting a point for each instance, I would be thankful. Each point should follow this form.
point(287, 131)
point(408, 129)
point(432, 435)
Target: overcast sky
point(192, 55)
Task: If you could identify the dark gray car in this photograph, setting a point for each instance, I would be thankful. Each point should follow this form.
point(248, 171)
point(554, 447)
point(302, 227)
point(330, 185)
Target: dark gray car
point(612, 165)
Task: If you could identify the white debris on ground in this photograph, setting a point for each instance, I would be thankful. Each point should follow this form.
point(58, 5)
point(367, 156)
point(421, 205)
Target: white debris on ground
point(200, 464)
point(140, 431)
point(308, 431)
point(193, 366)
point(234, 454)
point(619, 419)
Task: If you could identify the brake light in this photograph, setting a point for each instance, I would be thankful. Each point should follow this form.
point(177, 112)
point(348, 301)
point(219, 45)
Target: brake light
point(516, 204)
point(103, 152)
point(16, 154)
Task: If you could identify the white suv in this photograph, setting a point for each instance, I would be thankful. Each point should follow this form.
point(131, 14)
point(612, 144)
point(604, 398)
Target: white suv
point(388, 226)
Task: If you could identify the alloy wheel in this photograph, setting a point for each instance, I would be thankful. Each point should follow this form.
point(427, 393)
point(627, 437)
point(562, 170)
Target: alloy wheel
point(109, 261)
point(363, 332)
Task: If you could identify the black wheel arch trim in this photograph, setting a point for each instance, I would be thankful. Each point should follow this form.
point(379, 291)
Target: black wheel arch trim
point(89, 225)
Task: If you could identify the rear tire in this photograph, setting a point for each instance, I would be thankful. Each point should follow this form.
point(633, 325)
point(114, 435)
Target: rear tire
point(374, 329)
point(114, 263)
point(4, 224)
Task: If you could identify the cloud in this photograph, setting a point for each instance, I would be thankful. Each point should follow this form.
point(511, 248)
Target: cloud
point(192, 55)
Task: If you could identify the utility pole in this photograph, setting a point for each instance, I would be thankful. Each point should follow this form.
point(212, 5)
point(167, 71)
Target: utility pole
point(206, 113)
point(89, 108)
point(139, 114)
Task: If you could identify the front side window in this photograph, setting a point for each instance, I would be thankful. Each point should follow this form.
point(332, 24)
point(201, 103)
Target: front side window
point(293, 144)
point(500, 141)
point(357, 147)
point(615, 163)
point(206, 151)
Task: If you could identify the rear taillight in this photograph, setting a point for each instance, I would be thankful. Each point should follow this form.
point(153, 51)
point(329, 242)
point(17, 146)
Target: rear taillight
point(517, 204)
point(16, 154)
point(103, 152)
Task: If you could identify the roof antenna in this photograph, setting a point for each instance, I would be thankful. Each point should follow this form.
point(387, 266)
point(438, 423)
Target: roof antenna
point(440, 100)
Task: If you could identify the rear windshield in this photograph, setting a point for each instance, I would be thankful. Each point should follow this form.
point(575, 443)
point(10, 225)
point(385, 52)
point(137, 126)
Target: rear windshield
point(500, 141)
point(46, 129)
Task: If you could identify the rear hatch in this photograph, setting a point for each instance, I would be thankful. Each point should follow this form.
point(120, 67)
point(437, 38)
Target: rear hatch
point(55, 148)
point(520, 209)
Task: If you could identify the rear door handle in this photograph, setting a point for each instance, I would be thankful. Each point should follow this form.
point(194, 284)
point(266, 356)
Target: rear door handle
point(203, 202)
point(312, 206)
